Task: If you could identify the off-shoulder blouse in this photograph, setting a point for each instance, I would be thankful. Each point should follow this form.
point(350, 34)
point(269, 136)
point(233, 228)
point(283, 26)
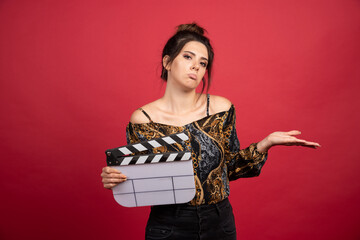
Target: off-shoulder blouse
point(215, 152)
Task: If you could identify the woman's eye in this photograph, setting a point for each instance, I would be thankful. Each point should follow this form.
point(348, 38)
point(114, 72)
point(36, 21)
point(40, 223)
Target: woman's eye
point(187, 57)
point(203, 64)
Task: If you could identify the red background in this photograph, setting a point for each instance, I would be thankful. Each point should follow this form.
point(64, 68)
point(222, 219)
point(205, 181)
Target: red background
point(73, 71)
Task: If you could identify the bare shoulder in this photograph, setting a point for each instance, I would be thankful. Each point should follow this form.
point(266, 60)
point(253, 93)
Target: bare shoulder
point(219, 104)
point(138, 116)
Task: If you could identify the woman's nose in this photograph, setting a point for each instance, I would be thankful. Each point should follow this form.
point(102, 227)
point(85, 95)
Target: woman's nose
point(196, 66)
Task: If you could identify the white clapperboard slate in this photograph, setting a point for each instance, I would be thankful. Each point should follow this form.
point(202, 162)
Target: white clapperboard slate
point(153, 179)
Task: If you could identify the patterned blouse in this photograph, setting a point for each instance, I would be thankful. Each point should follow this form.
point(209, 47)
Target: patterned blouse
point(215, 152)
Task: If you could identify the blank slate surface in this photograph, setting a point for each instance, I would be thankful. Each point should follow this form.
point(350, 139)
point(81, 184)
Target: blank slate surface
point(153, 179)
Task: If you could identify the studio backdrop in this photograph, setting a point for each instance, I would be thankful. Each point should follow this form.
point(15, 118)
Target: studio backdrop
point(72, 73)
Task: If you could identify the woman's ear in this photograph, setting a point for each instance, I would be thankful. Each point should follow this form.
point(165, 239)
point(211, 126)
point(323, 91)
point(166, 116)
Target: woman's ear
point(166, 63)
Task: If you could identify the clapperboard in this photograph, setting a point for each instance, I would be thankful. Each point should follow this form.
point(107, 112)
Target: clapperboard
point(153, 179)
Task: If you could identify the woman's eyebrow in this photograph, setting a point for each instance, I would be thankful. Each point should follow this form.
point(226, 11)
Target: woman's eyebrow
point(195, 55)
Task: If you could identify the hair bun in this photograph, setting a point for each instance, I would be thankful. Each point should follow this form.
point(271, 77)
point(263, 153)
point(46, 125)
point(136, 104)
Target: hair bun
point(191, 27)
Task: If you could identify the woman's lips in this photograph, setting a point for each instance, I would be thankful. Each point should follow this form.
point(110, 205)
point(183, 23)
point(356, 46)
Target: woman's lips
point(192, 76)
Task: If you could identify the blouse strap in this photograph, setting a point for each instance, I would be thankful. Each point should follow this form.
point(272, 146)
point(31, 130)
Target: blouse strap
point(145, 113)
point(207, 104)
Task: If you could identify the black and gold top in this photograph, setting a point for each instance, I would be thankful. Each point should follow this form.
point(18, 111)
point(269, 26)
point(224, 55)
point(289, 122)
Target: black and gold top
point(215, 148)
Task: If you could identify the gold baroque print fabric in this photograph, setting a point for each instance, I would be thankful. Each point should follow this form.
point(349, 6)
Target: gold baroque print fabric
point(215, 151)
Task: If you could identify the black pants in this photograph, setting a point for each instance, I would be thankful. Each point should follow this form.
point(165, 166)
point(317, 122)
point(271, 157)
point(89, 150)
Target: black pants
point(205, 222)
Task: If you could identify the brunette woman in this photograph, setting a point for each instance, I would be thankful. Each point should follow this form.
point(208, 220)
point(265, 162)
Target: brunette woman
point(210, 123)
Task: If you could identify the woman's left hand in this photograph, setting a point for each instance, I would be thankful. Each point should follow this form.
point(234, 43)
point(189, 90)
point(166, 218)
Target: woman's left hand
point(284, 138)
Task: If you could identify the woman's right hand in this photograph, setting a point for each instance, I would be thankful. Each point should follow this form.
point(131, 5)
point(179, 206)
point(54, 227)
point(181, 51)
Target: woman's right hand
point(112, 177)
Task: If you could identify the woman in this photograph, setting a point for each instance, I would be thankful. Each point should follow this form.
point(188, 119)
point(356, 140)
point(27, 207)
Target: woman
point(210, 123)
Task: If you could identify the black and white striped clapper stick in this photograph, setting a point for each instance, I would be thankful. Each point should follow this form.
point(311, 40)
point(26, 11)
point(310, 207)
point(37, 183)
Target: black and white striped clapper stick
point(122, 155)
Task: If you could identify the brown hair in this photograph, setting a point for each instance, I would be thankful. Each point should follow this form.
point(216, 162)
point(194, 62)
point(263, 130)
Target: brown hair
point(184, 34)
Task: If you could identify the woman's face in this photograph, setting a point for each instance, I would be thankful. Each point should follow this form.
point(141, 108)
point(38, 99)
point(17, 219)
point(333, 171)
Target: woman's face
point(189, 66)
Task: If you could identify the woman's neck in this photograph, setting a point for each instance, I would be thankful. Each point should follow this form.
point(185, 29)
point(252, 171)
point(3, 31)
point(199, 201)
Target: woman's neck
point(178, 101)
